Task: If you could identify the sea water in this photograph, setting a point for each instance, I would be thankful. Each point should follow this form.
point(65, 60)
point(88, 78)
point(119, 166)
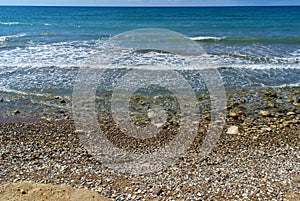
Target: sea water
point(41, 48)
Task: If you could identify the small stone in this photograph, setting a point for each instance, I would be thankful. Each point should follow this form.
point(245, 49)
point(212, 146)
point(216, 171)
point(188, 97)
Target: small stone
point(243, 101)
point(1, 100)
point(233, 115)
point(158, 125)
point(241, 113)
point(46, 118)
point(279, 101)
point(23, 192)
point(291, 113)
point(271, 94)
point(296, 104)
point(234, 104)
point(233, 130)
point(245, 125)
point(16, 112)
point(242, 108)
point(266, 129)
point(289, 100)
point(287, 123)
point(270, 105)
point(265, 113)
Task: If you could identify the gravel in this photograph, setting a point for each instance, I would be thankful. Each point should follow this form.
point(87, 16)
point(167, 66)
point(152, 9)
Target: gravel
point(260, 162)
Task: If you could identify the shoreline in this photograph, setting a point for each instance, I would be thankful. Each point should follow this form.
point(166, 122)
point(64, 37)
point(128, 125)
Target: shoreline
point(258, 162)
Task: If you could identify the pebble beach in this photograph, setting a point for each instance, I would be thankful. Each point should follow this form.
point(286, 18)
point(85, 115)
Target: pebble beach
point(256, 157)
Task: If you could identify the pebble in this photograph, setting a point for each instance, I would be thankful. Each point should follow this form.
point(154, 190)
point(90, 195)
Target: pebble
point(15, 112)
point(271, 104)
point(233, 130)
point(289, 100)
point(287, 123)
point(296, 104)
point(265, 113)
point(291, 113)
point(233, 115)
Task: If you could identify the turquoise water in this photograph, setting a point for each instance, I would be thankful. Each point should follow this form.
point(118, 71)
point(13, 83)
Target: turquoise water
point(41, 47)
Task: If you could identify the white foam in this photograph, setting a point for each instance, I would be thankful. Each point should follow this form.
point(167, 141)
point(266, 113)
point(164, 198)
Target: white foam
point(287, 85)
point(10, 23)
point(76, 53)
point(296, 53)
point(4, 38)
point(203, 38)
point(7, 38)
point(58, 54)
point(14, 23)
point(4, 89)
point(265, 66)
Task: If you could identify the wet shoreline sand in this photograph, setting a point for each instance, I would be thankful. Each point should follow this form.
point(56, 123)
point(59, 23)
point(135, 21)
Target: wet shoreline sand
point(259, 161)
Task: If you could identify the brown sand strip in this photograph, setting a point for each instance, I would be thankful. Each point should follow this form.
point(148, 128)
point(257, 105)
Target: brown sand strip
point(26, 191)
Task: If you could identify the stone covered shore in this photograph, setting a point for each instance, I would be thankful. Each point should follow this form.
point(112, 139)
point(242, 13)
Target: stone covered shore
point(256, 158)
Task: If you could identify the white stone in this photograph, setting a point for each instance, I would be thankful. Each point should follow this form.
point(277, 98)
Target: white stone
point(233, 130)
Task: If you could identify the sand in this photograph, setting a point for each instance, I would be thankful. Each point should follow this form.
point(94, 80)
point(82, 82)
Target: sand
point(26, 191)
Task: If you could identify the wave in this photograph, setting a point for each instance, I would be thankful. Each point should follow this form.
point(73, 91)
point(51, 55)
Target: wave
point(74, 53)
point(75, 65)
point(39, 98)
point(224, 39)
point(10, 23)
point(19, 92)
point(287, 85)
point(15, 23)
point(264, 40)
point(259, 59)
point(8, 38)
point(206, 38)
point(4, 38)
point(263, 66)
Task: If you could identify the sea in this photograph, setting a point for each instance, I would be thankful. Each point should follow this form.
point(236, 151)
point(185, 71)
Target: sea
point(43, 48)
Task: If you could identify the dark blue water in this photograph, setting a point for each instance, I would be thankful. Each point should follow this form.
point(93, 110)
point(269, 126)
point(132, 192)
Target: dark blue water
point(69, 23)
point(41, 46)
